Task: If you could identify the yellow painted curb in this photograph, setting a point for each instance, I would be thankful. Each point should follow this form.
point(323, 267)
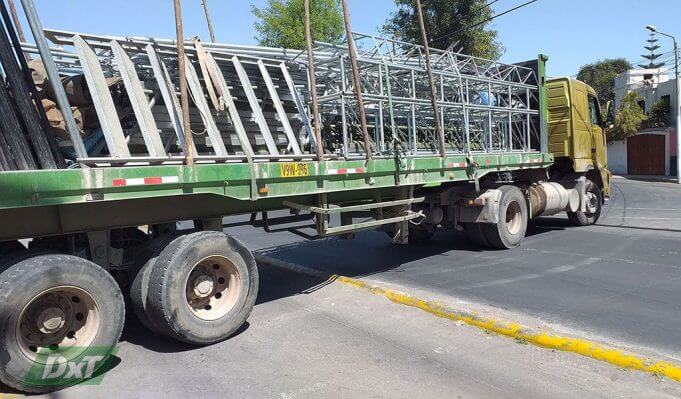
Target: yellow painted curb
point(512, 330)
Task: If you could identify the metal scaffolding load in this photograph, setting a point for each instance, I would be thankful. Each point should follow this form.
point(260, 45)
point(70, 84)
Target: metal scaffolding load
point(252, 103)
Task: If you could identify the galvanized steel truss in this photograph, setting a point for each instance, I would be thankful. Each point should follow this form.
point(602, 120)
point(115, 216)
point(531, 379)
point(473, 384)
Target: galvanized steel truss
point(250, 103)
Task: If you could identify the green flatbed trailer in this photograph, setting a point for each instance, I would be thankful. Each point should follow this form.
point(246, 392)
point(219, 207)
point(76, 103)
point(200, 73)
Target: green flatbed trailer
point(60, 202)
point(73, 241)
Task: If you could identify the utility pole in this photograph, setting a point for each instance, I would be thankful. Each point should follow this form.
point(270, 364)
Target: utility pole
point(204, 3)
point(313, 84)
point(433, 94)
point(184, 97)
point(357, 81)
point(678, 100)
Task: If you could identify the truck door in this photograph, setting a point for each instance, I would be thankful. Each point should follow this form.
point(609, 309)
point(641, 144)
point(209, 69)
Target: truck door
point(598, 145)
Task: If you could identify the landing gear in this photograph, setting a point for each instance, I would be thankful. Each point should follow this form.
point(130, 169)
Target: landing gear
point(57, 309)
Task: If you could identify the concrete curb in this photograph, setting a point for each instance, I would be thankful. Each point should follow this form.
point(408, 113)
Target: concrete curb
point(516, 331)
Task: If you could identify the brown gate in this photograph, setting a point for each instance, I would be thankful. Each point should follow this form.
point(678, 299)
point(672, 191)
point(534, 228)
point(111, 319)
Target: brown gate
point(645, 154)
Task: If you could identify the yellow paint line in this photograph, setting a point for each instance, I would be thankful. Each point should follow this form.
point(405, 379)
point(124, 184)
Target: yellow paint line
point(517, 331)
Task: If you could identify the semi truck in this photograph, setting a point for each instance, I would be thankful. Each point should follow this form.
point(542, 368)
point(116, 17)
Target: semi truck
point(79, 241)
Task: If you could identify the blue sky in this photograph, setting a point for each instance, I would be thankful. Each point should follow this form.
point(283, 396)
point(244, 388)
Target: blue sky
point(570, 32)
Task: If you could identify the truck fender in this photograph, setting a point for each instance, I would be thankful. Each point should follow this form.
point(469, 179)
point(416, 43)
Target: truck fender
point(481, 209)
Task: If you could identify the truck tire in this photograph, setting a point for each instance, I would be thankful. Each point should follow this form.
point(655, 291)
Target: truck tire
point(55, 306)
point(476, 234)
point(202, 288)
point(594, 205)
point(513, 217)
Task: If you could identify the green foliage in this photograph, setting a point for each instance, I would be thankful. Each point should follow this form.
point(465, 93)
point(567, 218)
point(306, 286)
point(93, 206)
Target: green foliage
point(281, 23)
point(628, 119)
point(601, 76)
point(658, 115)
point(443, 17)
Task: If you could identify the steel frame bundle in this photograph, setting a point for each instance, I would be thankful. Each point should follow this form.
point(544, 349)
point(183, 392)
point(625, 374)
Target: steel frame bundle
point(251, 103)
point(394, 83)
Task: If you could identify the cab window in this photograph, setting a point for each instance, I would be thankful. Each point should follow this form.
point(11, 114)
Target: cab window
point(594, 111)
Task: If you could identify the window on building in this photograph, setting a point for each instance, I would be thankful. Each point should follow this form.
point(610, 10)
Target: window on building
point(594, 111)
point(666, 100)
point(642, 104)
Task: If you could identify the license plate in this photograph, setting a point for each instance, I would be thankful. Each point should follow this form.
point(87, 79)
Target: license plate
point(295, 169)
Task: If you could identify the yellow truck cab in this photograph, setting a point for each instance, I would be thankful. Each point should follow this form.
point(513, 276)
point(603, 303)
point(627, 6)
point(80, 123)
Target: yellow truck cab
point(577, 132)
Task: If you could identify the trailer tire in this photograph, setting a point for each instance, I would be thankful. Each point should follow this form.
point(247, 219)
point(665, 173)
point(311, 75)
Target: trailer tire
point(139, 290)
point(9, 247)
point(510, 231)
point(56, 301)
point(418, 233)
point(202, 288)
point(594, 206)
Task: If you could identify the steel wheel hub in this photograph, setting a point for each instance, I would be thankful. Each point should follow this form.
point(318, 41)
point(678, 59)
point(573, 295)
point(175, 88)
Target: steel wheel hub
point(51, 320)
point(203, 286)
point(59, 319)
point(212, 288)
point(591, 203)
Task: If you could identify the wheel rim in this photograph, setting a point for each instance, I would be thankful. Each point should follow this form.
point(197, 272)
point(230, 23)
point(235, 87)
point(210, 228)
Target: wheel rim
point(58, 320)
point(591, 203)
point(514, 218)
point(213, 288)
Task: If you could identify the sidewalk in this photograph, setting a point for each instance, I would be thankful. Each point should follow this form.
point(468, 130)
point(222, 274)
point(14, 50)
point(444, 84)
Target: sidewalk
point(650, 178)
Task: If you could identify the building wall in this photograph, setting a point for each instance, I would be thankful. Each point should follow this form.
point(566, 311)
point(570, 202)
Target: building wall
point(617, 153)
point(651, 90)
point(651, 85)
point(617, 157)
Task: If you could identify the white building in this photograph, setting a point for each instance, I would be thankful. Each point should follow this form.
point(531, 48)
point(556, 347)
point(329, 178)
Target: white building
point(651, 151)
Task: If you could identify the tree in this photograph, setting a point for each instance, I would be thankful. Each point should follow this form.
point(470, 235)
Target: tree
point(446, 22)
point(658, 115)
point(628, 118)
point(282, 22)
point(601, 76)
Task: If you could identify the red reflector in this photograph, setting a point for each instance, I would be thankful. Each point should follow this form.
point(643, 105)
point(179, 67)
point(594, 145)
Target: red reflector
point(153, 180)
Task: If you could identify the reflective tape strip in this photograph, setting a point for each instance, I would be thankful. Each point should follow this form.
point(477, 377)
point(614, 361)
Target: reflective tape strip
point(457, 165)
point(345, 171)
point(146, 181)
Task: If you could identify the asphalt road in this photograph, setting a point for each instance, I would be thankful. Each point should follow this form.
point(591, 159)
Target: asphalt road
point(308, 339)
point(618, 282)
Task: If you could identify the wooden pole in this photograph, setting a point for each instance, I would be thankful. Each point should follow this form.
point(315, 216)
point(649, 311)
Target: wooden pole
point(208, 20)
point(357, 81)
point(313, 84)
point(17, 25)
point(433, 94)
point(184, 97)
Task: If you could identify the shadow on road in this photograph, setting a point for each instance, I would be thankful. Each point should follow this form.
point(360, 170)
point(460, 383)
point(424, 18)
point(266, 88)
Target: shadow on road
point(354, 258)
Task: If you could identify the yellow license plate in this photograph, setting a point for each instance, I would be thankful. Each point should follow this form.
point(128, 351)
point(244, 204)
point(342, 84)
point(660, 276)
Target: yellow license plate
point(295, 169)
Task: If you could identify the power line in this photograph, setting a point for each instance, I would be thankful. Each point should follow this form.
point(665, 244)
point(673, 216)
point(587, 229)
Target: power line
point(485, 21)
